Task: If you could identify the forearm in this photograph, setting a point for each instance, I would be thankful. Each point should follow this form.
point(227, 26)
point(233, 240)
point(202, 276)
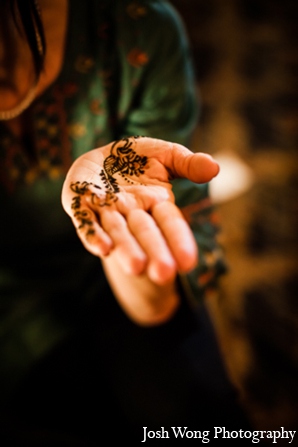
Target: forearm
point(143, 301)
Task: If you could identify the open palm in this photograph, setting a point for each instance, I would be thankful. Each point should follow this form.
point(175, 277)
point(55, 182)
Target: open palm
point(120, 200)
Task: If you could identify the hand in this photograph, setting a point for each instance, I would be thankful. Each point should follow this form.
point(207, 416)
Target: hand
point(120, 200)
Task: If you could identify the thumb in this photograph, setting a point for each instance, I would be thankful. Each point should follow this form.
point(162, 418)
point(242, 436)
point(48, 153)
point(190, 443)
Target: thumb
point(197, 167)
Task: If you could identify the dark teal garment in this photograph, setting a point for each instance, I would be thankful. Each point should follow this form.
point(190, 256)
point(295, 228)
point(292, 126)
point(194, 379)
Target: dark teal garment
point(126, 71)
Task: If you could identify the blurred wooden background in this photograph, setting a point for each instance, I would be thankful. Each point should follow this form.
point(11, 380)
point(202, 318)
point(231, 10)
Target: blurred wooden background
point(246, 61)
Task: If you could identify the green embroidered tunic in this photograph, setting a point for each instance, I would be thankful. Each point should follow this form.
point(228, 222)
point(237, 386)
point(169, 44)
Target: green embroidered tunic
point(126, 72)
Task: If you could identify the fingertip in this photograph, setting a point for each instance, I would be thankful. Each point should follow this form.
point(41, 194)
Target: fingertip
point(97, 246)
point(188, 265)
point(102, 250)
point(188, 258)
point(209, 166)
point(217, 168)
point(132, 259)
point(162, 273)
point(135, 265)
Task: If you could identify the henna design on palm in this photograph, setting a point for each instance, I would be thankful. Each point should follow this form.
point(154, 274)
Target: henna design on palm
point(122, 160)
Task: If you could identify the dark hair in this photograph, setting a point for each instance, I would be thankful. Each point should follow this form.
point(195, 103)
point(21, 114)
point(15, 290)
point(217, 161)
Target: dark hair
point(29, 14)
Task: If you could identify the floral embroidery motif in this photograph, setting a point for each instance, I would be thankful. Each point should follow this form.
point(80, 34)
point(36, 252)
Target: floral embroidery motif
point(96, 107)
point(137, 58)
point(84, 64)
point(49, 155)
point(135, 10)
point(76, 130)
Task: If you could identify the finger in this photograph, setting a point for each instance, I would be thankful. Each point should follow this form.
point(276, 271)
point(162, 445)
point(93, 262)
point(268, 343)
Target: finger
point(161, 266)
point(93, 237)
point(177, 234)
point(126, 249)
point(198, 167)
point(180, 161)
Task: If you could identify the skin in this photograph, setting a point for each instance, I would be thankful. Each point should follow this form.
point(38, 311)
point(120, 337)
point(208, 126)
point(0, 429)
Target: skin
point(132, 223)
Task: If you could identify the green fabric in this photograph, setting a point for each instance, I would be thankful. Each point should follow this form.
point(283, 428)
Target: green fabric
point(127, 71)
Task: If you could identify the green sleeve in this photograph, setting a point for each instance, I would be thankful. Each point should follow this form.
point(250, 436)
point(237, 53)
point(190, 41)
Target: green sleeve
point(159, 99)
point(196, 206)
point(158, 92)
